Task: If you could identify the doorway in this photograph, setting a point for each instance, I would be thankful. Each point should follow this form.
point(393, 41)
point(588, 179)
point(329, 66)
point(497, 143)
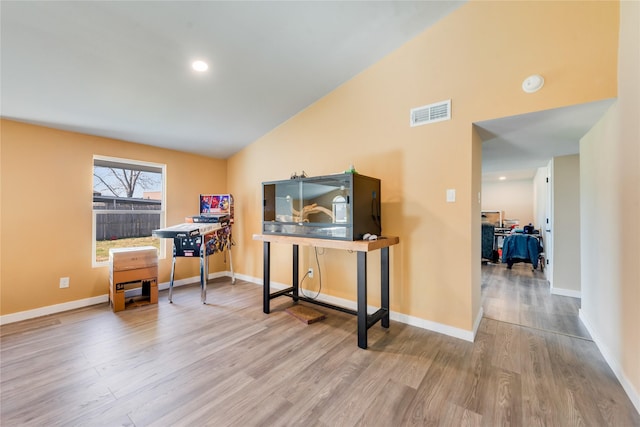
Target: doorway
point(515, 149)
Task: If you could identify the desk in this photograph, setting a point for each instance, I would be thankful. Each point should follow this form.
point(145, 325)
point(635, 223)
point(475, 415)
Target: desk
point(197, 240)
point(362, 247)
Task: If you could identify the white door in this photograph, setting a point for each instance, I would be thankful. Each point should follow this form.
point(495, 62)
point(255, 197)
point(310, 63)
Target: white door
point(548, 235)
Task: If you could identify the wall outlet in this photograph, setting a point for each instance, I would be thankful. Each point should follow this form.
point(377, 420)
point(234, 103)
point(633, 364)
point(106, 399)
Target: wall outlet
point(310, 273)
point(64, 282)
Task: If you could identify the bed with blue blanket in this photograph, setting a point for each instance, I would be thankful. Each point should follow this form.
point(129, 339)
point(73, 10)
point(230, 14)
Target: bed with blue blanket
point(521, 248)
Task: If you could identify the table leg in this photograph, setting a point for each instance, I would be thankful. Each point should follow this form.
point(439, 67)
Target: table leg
point(173, 270)
point(203, 273)
point(362, 300)
point(266, 277)
point(296, 267)
point(233, 276)
point(384, 285)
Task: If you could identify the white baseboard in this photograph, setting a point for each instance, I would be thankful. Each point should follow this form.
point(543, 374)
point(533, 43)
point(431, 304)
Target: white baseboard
point(566, 292)
point(476, 324)
point(397, 317)
point(246, 278)
point(191, 280)
point(438, 327)
point(613, 363)
point(71, 305)
point(52, 309)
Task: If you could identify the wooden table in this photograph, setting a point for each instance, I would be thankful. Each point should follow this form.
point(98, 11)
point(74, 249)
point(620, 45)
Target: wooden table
point(361, 247)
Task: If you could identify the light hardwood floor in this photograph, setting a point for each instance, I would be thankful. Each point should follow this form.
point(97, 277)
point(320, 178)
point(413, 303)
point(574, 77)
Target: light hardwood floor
point(522, 296)
point(228, 364)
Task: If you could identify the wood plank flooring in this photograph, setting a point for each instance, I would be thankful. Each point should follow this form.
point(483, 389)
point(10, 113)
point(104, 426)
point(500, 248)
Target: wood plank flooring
point(228, 364)
point(522, 296)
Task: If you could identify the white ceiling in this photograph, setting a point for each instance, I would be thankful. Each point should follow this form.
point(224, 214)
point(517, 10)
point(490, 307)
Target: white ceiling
point(515, 147)
point(121, 69)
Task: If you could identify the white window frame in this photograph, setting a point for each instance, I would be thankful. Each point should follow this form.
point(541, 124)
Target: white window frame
point(95, 212)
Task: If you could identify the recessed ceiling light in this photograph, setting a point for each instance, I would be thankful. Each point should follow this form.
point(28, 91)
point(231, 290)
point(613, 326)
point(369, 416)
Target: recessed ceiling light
point(200, 66)
point(502, 178)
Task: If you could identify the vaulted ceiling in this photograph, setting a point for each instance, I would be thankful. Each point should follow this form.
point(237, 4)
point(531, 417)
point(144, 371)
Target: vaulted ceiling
point(122, 69)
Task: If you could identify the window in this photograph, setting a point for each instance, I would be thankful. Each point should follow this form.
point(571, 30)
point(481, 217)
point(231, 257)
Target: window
point(128, 203)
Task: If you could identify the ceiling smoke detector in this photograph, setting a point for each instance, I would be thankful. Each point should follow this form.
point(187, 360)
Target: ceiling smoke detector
point(533, 83)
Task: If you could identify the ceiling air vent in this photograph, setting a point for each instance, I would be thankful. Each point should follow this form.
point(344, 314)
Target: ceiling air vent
point(430, 113)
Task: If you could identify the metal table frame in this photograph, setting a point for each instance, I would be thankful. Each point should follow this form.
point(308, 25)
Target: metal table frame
point(365, 321)
point(204, 269)
point(192, 230)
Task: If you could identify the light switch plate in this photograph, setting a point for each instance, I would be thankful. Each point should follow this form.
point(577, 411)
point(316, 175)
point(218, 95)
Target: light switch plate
point(451, 195)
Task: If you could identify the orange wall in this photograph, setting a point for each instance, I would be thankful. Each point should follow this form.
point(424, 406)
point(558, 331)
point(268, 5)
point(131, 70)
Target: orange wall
point(478, 56)
point(46, 189)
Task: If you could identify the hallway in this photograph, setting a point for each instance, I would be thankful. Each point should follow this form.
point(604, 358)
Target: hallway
point(522, 297)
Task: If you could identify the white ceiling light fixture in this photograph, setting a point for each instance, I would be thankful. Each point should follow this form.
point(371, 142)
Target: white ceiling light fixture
point(502, 178)
point(200, 66)
point(533, 83)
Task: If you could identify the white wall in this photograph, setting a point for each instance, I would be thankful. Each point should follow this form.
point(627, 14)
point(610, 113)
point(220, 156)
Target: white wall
point(540, 198)
point(514, 198)
point(610, 212)
point(541, 208)
point(565, 226)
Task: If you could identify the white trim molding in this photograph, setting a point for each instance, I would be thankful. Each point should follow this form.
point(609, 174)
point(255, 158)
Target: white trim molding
point(566, 292)
point(352, 305)
point(613, 363)
point(86, 302)
point(398, 317)
point(52, 309)
point(191, 280)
